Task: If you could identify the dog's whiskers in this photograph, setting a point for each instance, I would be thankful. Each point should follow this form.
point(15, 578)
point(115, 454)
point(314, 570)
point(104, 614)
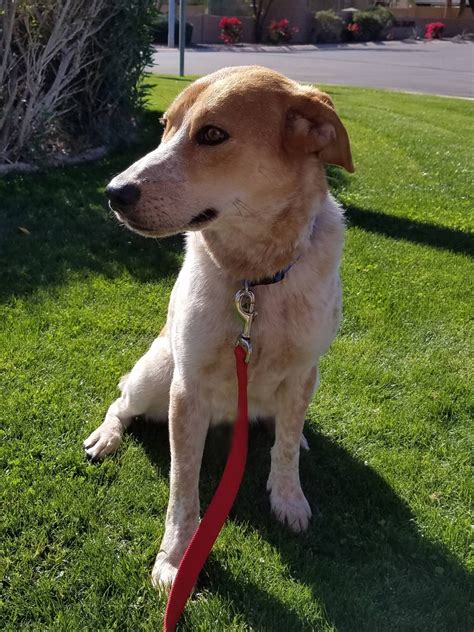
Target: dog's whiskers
point(243, 206)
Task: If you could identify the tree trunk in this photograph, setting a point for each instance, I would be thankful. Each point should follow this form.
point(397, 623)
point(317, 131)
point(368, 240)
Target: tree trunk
point(260, 10)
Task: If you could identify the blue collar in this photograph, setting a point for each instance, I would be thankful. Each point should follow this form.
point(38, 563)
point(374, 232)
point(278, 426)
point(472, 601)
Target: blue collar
point(276, 278)
point(280, 275)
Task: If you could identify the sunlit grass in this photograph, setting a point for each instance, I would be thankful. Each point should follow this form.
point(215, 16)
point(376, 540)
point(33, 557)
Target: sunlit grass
point(388, 473)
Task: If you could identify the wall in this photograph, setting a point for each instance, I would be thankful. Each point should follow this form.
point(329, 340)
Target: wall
point(206, 27)
point(339, 5)
point(297, 13)
point(191, 9)
point(434, 13)
point(425, 15)
point(454, 26)
point(228, 7)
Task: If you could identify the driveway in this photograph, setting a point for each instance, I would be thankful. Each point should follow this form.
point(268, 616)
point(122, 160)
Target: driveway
point(436, 67)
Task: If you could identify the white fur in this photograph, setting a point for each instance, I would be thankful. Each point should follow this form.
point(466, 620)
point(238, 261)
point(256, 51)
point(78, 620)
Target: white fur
point(188, 374)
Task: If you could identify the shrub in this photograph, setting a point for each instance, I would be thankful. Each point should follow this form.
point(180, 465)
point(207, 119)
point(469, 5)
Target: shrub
point(280, 31)
point(434, 30)
point(372, 23)
point(328, 27)
point(231, 30)
point(159, 31)
point(69, 72)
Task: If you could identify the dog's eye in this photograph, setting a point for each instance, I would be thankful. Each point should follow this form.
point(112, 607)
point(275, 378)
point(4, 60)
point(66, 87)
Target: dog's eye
point(210, 135)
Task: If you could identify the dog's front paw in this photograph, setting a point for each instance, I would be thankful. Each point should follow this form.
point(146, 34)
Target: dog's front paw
point(291, 508)
point(163, 573)
point(105, 440)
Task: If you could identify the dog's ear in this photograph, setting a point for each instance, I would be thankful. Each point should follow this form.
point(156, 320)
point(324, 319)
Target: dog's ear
point(313, 125)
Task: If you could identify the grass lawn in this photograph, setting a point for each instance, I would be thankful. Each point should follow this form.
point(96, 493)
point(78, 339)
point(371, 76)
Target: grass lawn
point(388, 474)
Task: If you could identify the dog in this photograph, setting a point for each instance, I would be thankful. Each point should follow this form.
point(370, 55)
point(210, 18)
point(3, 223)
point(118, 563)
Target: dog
point(240, 170)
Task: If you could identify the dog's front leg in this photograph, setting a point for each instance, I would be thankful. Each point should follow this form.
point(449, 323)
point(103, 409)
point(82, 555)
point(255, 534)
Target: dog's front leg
point(145, 391)
point(188, 429)
point(287, 499)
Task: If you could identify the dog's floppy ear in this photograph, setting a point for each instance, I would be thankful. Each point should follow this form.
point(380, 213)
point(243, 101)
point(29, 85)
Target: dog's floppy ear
point(313, 125)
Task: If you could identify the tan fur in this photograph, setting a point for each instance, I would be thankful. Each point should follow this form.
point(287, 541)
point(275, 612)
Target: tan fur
point(268, 184)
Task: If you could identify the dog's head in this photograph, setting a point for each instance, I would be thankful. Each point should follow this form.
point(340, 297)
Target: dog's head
point(236, 142)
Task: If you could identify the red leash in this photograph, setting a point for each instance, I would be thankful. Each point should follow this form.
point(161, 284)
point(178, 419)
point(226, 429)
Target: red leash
point(206, 534)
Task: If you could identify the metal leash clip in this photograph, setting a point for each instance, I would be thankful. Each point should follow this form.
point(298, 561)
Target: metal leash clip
point(245, 306)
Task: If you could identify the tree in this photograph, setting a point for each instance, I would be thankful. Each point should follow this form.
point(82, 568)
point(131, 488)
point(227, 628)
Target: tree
point(260, 9)
point(462, 6)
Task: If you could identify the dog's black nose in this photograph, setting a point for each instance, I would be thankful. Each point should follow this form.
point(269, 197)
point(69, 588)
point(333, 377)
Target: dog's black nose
point(123, 196)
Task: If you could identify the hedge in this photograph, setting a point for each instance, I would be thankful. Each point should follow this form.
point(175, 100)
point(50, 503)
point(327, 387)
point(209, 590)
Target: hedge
point(69, 72)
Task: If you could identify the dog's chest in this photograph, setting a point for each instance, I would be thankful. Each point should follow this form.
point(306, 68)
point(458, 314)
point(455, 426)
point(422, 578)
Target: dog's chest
point(285, 331)
point(293, 327)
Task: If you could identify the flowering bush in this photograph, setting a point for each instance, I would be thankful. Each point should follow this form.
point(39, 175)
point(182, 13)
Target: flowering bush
point(434, 30)
point(372, 24)
point(231, 30)
point(280, 31)
point(353, 28)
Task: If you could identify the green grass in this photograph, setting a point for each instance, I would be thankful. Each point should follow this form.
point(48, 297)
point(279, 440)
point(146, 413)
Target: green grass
point(388, 474)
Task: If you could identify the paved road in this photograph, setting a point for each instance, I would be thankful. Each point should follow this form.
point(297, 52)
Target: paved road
point(437, 67)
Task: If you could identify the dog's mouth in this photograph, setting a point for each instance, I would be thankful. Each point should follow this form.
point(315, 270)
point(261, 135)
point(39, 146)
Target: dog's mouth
point(141, 230)
point(134, 226)
point(207, 216)
point(197, 222)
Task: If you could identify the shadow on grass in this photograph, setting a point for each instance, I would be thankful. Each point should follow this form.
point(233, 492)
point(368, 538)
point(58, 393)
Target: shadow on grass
point(173, 78)
point(70, 230)
point(403, 228)
point(363, 557)
point(410, 230)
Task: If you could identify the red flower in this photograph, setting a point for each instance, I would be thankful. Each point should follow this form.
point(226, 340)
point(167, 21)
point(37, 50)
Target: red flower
point(434, 30)
point(226, 22)
point(231, 30)
point(280, 31)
